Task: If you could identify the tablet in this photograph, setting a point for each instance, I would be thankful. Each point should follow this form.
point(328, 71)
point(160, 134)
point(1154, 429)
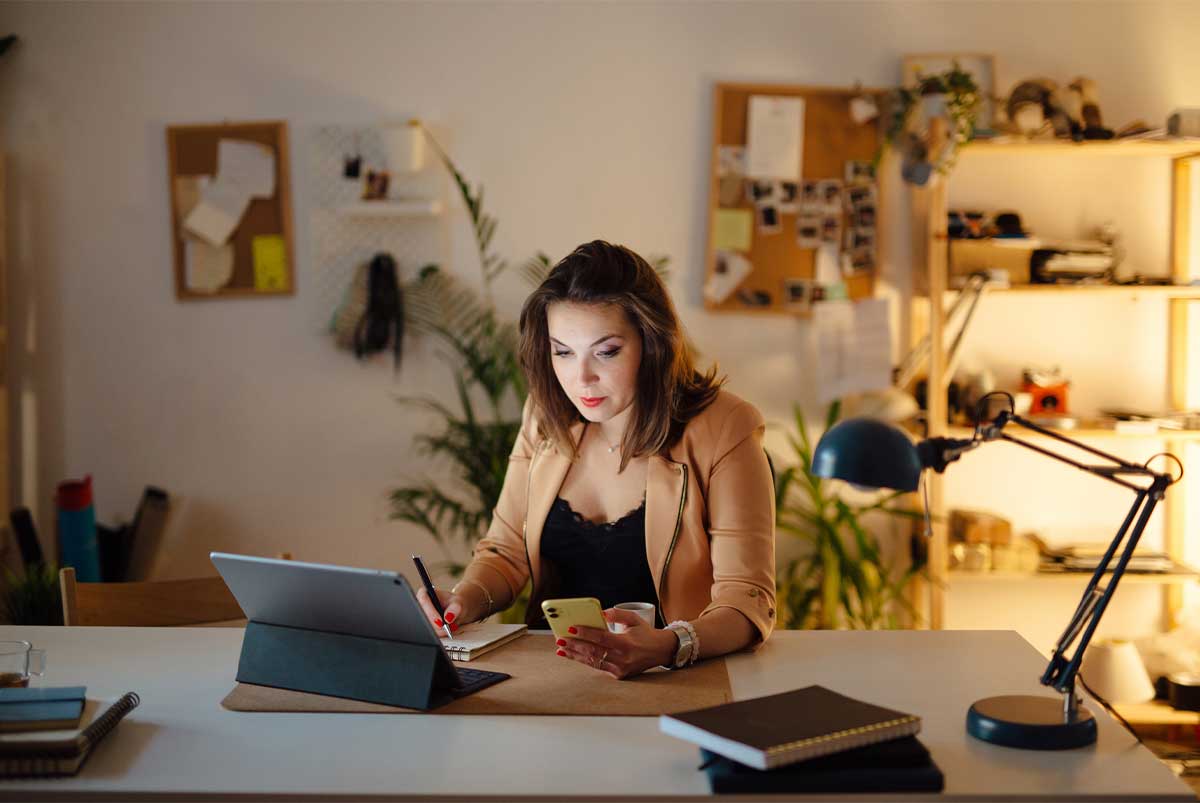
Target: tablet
point(339, 599)
point(318, 596)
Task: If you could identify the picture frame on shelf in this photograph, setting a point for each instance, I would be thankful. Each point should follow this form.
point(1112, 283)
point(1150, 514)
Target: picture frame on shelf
point(980, 66)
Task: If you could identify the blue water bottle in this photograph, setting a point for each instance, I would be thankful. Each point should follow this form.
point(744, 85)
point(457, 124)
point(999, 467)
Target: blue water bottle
point(77, 529)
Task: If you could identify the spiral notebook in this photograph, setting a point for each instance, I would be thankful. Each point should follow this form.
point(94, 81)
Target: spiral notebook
point(781, 729)
point(55, 753)
point(476, 639)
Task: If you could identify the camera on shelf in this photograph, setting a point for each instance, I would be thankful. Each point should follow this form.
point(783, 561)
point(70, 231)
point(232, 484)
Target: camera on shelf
point(1047, 390)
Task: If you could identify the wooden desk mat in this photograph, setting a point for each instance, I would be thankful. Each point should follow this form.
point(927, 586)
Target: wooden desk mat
point(542, 683)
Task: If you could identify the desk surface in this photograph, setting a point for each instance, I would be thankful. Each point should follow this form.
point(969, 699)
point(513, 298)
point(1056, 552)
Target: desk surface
point(181, 743)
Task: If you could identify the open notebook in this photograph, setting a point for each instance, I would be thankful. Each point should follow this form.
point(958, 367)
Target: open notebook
point(476, 639)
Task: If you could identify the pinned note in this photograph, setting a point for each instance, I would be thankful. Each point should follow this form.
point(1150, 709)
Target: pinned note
point(853, 344)
point(775, 137)
point(733, 229)
point(270, 262)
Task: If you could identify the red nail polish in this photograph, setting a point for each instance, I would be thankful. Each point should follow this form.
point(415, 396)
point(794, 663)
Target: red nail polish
point(572, 630)
point(450, 617)
point(437, 622)
point(562, 642)
point(560, 652)
point(453, 627)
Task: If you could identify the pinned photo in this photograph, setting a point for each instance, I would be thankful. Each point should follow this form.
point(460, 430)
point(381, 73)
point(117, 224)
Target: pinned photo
point(731, 160)
point(860, 238)
point(858, 261)
point(830, 192)
point(789, 197)
point(768, 219)
point(808, 231)
point(798, 294)
point(859, 172)
point(857, 196)
point(810, 198)
point(760, 191)
point(831, 229)
point(863, 216)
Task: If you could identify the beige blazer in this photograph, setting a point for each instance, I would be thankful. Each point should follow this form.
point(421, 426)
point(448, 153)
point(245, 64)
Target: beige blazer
point(710, 518)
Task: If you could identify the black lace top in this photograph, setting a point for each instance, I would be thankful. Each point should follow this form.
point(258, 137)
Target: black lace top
point(606, 561)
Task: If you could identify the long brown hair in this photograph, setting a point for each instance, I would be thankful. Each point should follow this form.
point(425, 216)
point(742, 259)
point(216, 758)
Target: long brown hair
point(670, 391)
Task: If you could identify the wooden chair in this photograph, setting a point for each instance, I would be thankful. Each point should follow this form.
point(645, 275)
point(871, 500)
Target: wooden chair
point(159, 603)
point(147, 604)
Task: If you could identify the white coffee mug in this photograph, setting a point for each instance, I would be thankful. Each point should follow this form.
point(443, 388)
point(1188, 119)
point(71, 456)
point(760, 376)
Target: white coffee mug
point(642, 609)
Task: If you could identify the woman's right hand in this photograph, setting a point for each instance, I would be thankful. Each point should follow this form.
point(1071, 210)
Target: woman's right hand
point(452, 604)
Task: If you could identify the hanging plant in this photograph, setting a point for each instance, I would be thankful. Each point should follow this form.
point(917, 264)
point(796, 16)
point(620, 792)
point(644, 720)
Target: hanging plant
point(930, 121)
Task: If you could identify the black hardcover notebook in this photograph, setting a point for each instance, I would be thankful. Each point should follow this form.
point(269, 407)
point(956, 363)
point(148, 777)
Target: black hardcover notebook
point(56, 753)
point(781, 729)
point(899, 765)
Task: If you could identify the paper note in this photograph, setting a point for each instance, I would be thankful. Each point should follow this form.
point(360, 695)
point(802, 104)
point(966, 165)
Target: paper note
point(730, 270)
point(853, 347)
point(250, 165)
point(775, 138)
point(829, 267)
point(219, 212)
point(207, 267)
point(732, 229)
point(270, 262)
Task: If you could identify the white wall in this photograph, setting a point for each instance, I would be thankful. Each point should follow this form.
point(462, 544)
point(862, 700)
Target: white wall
point(582, 120)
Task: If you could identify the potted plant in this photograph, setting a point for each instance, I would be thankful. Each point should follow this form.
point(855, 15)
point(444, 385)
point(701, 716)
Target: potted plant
point(32, 598)
point(843, 578)
point(930, 121)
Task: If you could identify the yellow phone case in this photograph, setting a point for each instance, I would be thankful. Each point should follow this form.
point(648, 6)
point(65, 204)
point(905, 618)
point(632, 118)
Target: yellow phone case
point(563, 613)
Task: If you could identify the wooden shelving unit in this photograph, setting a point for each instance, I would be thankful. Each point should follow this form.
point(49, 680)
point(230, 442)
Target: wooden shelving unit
point(929, 205)
point(1130, 578)
point(1165, 146)
point(1093, 432)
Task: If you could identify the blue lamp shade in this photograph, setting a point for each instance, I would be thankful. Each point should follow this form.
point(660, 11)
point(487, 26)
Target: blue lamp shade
point(868, 452)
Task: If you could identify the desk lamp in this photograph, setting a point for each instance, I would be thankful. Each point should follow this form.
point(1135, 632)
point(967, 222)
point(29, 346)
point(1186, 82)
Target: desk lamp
point(872, 453)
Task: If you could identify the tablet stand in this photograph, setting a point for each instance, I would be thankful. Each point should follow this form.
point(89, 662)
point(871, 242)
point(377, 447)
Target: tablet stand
point(339, 665)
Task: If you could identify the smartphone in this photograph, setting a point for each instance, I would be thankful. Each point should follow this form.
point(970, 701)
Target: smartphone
point(563, 613)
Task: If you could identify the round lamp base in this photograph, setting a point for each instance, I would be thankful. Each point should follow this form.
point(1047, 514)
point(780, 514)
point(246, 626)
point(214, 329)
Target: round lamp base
point(1030, 723)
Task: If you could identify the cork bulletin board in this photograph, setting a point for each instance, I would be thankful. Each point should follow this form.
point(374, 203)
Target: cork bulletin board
point(243, 248)
point(777, 253)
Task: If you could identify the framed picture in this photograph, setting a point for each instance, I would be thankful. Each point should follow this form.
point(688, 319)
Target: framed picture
point(980, 66)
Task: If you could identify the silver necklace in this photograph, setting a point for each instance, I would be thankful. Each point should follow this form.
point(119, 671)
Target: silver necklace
point(607, 445)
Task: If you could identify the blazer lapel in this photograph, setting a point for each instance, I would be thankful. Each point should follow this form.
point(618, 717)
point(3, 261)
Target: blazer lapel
point(666, 491)
point(546, 475)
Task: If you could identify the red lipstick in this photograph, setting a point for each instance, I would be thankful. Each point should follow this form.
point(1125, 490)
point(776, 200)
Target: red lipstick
point(592, 401)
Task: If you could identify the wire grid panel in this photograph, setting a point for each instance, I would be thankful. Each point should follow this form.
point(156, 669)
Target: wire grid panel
point(341, 242)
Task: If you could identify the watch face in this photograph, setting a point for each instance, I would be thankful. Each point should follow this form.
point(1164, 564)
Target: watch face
point(685, 647)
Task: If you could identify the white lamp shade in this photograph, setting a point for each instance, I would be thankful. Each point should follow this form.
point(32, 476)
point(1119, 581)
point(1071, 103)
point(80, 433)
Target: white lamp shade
point(405, 146)
point(1114, 670)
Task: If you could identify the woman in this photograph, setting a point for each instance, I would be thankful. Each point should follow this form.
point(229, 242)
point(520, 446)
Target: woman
point(634, 478)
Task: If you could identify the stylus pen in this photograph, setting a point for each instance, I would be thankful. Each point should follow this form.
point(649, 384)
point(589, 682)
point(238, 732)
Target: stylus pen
point(432, 592)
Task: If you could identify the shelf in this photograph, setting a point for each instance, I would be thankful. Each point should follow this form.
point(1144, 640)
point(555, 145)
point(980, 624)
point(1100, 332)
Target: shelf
point(1156, 712)
point(1156, 290)
point(1112, 147)
point(1136, 578)
point(1088, 433)
point(1188, 292)
point(412, 208)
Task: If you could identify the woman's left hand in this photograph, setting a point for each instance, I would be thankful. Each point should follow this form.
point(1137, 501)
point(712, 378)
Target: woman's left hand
point(621, 655)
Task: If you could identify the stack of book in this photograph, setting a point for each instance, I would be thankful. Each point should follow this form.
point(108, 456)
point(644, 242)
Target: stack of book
point(810, 740)
point(47, 732)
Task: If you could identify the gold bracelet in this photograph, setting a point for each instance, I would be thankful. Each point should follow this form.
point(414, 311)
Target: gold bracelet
point(481, 587)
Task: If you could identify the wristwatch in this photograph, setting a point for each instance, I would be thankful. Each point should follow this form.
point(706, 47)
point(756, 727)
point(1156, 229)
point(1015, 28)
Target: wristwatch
point(686, 645)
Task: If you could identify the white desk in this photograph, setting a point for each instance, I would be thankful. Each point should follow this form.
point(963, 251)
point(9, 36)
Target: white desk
point(181, 744)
